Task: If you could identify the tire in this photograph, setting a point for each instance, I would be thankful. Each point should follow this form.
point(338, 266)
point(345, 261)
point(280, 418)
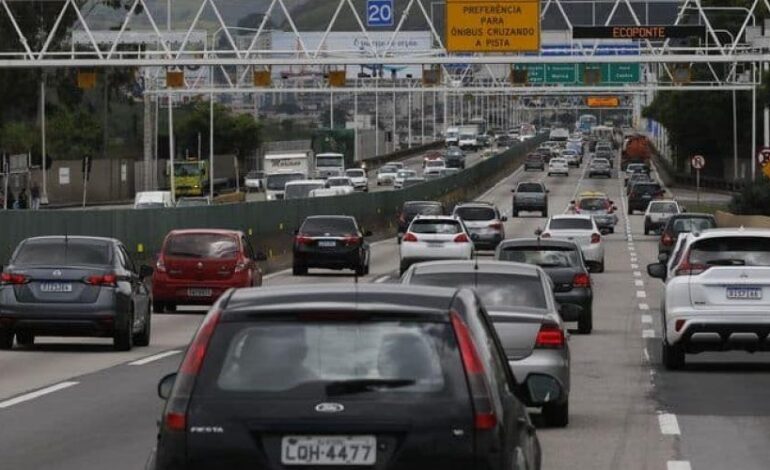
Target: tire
point(549, 173)
point(556, 415)
point(601, 267)
point(612, 229)
point(143, 337)
point(6, 339)
point(515, 213)
point(360, 269)
point(25, 339)
point(672, 356)
point(298, 270)
point(586, 322)
point(646, 228)
point(158, 307)
point(630, 211)
point(123, 338)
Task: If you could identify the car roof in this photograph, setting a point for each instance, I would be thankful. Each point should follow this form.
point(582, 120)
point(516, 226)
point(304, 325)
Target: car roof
point(433, 203)
point(349, 217)
point(470, 266)
point(424, 301)
point(299, 182)
point(484, 204)
point(592, 194)
point(571, 216)
point(732, 232)
point(73, 237)
point(544, 242)
point(663, 201)
point(691, 215)
point(436, 217)
point(200, 231)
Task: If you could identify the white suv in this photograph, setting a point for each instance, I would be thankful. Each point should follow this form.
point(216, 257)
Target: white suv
point(435, 237)
point(717, 293)
point(581, 230)
point(658, 213)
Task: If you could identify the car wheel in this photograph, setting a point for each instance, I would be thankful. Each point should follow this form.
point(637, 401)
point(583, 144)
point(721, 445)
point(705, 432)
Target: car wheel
point(556, 414)
point(586, 322)
point(360, 269)
point(123, 337)
point(402, 268)
point(298, 270)
point(549, 173)
point(672, 356)
point(6, 339)
point(25, 338)
point(515, 213)
point(143, 337)
point(601, 267)
point(158, 307)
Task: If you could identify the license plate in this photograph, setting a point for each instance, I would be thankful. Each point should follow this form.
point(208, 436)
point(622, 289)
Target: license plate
point(744, 293)
point(435, 244)
point(56, 287)
point(328, 450)
point(327, 243)
point(199, 292)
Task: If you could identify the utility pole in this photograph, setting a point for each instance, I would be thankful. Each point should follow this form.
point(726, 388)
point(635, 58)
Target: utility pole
point(43, 151)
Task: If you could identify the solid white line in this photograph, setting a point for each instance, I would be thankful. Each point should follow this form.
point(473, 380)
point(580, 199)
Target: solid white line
point(644, 307)
point(641, 294)
point(154, 358)
point(646, 318)
point(647, 355)
point(637, 273)
point(276, 274)
point(668, 424)
point(648, 333)
point(639, 283)
point(382, 279)
point(678, 465)
point(36, 394)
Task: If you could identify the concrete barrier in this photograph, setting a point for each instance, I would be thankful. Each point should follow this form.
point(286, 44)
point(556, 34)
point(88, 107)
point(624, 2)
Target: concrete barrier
point(726, 219)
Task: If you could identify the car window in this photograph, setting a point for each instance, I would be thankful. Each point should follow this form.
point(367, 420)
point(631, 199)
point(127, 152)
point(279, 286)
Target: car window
point(316, 226)
point(201, 245)
point(129, 263)
point(387, 169)
point(472, 214)
point(249, 252)
point(692, 224)
point(63, 251)
point(355, 173)
point(570, 224)
point(312, 359)
point(664, 207)
point(496, 290)
point(646, 188)
point(436, 227)
point(593, 204)
point(731, 251)
point(411, 209)
point(530, 188)
point(545, 257)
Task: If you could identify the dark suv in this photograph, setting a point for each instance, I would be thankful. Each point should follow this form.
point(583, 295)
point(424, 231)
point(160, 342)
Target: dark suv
point(454, 157)
point(412, 209)
point(330, 376)
point(331, 242)
point(640, 195)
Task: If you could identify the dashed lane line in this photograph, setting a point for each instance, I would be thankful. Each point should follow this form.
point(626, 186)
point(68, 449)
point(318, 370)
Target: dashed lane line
point(155, 357)
point(639, 283)
point(647, 319)
point(669, 426)
point(648, 333)
point(678, 465)
point(644, 307)
point(36, 394)
point(641, 294)
point(637, 273)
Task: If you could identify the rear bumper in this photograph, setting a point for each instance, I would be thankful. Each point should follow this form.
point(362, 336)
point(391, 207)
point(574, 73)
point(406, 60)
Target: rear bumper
point(328, 259)
point(50, 319)
point(714, 332)
point(580, 296)
point(487, 241)
point(552, 362)
point(179, 291)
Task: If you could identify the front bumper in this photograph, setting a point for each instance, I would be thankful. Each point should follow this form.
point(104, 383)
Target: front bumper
point(552, 362)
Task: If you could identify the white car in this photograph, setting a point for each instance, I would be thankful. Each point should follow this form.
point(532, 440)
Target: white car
point(433, 166)
point(717, 294)
point(358, 178)
point(398, 165)
point(571, 156)
point(398, 183)
point(254, 181)
point(153, 200)
point(581, 230)
point(658, 213)
point(434, 237)
point(301, 188)
point(342, 183)
point(386, 175)
point(558, 166)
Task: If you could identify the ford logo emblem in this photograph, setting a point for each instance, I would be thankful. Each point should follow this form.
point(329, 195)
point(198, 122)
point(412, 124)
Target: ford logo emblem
point(57, 273)
point(329, 408)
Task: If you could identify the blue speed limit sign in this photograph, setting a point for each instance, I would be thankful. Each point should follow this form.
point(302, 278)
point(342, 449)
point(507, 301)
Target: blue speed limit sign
point(379, 13)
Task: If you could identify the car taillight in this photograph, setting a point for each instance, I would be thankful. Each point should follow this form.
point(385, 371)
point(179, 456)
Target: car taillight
point(484, 414)
point(596, 238)
point(409, 237)
point(461, 238)
point(13, 279)
point(667, 239)
point(351, 241)
point(106, 280)
point(175, 416)
point(581, 280)
point(496, 225)
point(550, 336)
point(303, 240)
point(690, 269)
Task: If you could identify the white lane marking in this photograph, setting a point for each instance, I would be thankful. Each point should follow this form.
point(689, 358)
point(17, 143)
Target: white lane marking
point(637, 273)
point(647, 355)
point(639, 283)
point(276, 274)
point(648, 333)
point(36, 394)
point(634, 266)
point(646, 318)
point(155, 357)
point(631, 248)
point(383, 279)
point(669, 426)
point(678, 465)
point(641, 294)
point(644, 307)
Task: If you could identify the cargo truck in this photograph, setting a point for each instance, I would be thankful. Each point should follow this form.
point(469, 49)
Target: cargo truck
point(282, 167)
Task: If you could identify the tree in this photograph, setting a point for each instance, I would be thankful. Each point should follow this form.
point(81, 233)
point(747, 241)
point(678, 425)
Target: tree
point(18, 137)
point(232, 134)
point(74, 133)
point(752, 200)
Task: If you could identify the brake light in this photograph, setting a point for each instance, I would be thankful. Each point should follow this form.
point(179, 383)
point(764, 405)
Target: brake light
point(686, 268)
point(550, 336)
point(106, 280)
point(303, 240)
point(484, 417)
point(496, 225)
point(596, 238)
point(13, 279)
point(409, 237)
point(197, 350)
point(461, 238)
point(351, 241)
point(667, 239)
point(581, 280)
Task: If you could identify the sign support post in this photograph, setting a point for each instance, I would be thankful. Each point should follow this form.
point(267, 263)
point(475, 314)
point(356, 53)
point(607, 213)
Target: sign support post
point(697, 162)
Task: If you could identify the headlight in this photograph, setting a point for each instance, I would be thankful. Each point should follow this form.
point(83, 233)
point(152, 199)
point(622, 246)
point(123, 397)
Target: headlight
point(270, 197)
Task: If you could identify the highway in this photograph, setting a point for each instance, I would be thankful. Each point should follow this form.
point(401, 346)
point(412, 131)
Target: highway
point(76, 404)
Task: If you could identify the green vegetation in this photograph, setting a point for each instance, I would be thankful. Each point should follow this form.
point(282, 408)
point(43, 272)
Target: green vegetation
point(239, 134)
point(752, 200)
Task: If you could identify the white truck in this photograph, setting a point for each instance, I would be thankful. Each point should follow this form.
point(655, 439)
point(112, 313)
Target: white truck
point(452, 136)
point(469, 137)
point(282, 167)
point(329, 165)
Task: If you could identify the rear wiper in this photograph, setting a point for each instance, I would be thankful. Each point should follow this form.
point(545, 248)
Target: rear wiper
point(345, 387)
point(551, 265)
point(726, 262)
point(186, 255)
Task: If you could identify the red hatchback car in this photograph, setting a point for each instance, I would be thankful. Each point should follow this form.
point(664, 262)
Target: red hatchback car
point(196, 266)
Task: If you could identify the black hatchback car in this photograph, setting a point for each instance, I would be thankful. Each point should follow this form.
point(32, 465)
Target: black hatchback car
point(331, 242)
point(412, 209)
point(454, 157)
point(337, 376)
point(74, 286)
point(640, 194)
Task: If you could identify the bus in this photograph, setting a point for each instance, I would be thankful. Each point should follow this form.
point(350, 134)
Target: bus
point(585, 123)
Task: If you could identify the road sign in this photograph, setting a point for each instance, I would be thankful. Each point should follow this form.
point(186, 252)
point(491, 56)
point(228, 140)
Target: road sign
point(574, 73)
point(489, 26)
point(698, 162)
point(651, 32)
point(603, 101)
point(379, 13)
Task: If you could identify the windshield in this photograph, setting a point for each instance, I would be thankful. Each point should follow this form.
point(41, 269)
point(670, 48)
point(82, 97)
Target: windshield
point(329, 161)
point(530, 188)
point(334, 226)
point(434, 163)
point(692, 224)
point(593, 204)
point(558, 161)
point(436, 227)
point(646, 188)
point(472, 214)
point(600, 164)
point(387, 169)
point(332, 182)
point(570, 224)
point(188, 169)
point(731, 251)
point(150, 205)
point(192, 202)
point(497, 290)
point(543, 256)
point(356, 173)
point(277, 182)
point(297, 191)
point(406, 173)
point(201, 245)
point(664, 207)
point(63, 252)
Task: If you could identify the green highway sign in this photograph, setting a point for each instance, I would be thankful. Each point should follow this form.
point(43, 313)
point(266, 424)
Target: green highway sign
point(572, 74)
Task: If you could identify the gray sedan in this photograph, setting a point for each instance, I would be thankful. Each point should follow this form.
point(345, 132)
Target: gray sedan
point(519, 298)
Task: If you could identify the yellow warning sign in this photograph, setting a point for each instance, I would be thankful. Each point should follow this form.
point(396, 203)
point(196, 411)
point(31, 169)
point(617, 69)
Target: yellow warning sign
point(484, 26)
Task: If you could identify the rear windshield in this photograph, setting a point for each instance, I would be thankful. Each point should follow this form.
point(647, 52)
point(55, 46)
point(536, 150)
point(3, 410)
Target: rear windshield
point(334, 182)
point(600, 163)
point(534, 158)
point(570, 224)
point(412, 209)
point(476, 213)
point(313, 359)
point(664, 207)
point(387, 169)
point(497, 290)
point(530, 188)
point(57, 252)
point(692, 224)
point(545, 257)
point(332, 225)
point(295, 191)
point(437, 227)
point(201, 245)
point(731, 251)
point(646, 188)
point(355, 173)
point(593, 204)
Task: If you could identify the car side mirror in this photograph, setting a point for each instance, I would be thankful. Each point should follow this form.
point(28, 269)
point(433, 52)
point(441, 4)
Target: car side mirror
point(504, 218)
point(663, 258)
point(540, 389)
point(513, 190)
point(538, 232)
point(145, 271)
point(165, 386)
point(657, 270)
point(367, 233)
point(684, 209)
point(261, 256)
point(547, 190)
point(570, 310)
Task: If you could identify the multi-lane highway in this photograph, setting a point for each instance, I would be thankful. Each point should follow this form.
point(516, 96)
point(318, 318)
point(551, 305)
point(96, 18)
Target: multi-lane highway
point(76, 404)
